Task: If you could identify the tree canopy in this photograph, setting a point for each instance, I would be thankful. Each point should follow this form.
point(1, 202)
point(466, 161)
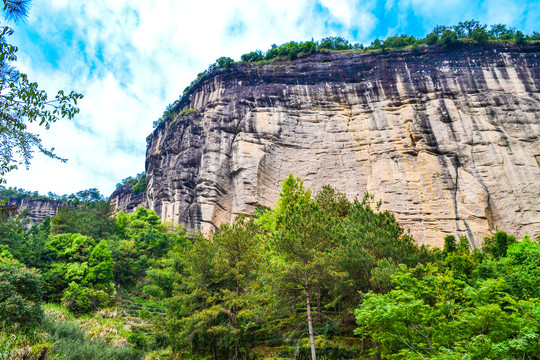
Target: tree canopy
point(22, 102)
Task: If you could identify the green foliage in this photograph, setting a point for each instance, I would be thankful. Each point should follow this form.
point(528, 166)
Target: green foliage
point(100, 268)
point(334, 43)
point(137, 183)
point(70, 247)
point(519, 37)
point(82, 299)
point(497, 244)
point(450, 244)
point(253, 56)
point(71, 343)
point(432, 38)
point(398, 42)
point(480, 35)
point(24, 103)
point(141, 239)
point(223, 62)
point(20, 293)
point(448, 38)
point(214, 311)
point(455, 309)
point(332, 202)
point(465, 29)
point(86, 213)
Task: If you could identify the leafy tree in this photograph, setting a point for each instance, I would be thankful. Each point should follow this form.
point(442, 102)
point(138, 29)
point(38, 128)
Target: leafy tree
point(497, 244)
point(450, 244)
point(213, 313)
point(20, 292)
point(129, 263)
point(100, 268)
point(333, 202)
point(519, 37)
point(432, 38)
point(335, 43)
point(301, 247)
point(520, 269)
point(500, 31)
point(22, 103)
point(253, 56)
point(82, 299)
point(465, 29)
point(435, 313)
point(448, 38)
point(223, 62)
point(137, 183)
point(373, 239)
point(480, 35)
point(71, 247)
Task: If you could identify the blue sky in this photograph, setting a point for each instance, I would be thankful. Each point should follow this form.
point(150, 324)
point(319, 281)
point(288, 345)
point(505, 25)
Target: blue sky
point(130, 58)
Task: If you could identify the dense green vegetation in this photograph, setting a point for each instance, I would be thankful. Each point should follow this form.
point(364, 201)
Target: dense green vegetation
point(470, 31)
point(137, 183)
point(315, 276)
point(89, 195)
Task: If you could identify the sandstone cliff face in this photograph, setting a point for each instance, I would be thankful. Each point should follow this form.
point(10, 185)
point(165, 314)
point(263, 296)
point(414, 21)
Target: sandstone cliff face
point(448, 140)
point(123, 199)
point(38, 209)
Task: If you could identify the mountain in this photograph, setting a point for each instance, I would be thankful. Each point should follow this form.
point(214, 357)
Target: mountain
point(446, 139)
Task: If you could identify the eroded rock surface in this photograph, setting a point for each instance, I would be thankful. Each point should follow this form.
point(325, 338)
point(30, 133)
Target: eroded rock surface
point(38, 209)
point(448, 140)
point(125, 200)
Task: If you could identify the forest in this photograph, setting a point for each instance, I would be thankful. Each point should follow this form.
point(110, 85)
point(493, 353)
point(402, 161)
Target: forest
point(317, 276)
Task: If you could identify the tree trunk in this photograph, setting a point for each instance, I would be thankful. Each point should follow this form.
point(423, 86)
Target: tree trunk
point(309, 320)
point(319, 310)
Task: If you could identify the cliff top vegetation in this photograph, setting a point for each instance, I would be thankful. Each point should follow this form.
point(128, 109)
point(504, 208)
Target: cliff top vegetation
point(83, 196)
point(469, 31)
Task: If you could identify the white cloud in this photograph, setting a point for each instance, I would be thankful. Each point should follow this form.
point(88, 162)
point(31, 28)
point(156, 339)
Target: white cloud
point(133, 57)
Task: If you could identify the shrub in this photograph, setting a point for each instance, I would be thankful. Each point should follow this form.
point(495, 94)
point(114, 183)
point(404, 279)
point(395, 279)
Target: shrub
point(80, 299)
point(448, 38)
point(71, 343)
point(480, 35)
point(252, 56)
point(20, 294)
point(519, 37)
point(432, 38)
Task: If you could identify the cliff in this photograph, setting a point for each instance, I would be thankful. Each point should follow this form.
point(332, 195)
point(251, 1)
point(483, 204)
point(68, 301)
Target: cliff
point(123, 199)
point(448, 140)
point(38, 209)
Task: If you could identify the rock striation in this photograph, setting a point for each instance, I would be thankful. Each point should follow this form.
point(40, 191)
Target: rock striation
point(447, 139)
point(124, 199)
point(36, 209)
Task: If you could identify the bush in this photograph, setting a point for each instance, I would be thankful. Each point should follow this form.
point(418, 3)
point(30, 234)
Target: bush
point(480, 35)
point(72, 344)
point(223, 62)
point(20, 294)
point(252, 56)
point(432, 38)
point(80, 299)
point(448, 38)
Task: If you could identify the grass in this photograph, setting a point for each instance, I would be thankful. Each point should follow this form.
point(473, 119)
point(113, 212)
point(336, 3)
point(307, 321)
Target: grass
point(76, 339)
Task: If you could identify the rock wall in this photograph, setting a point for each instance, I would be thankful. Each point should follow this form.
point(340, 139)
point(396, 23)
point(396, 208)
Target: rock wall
point(448, 140)
point(125, 200)
point(38, 209)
